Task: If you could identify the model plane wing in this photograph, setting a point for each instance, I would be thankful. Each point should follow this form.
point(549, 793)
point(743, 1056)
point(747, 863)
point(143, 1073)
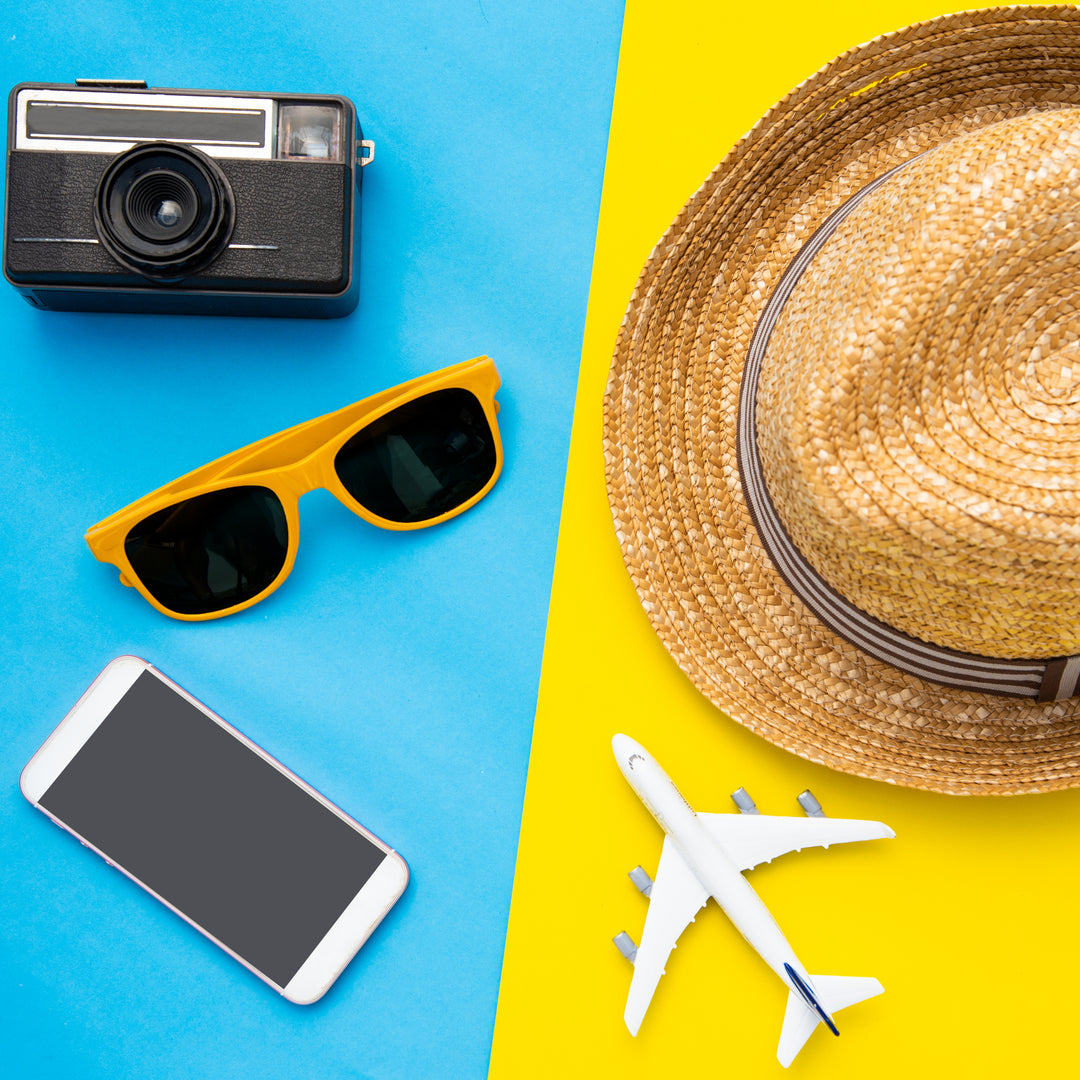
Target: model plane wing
point(676, 897)
point(751, 839)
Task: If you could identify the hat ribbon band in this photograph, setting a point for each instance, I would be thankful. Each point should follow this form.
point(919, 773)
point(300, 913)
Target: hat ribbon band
point(1044, 680)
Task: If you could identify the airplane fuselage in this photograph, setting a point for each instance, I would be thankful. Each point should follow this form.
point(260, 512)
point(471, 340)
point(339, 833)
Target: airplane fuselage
point(706, 858)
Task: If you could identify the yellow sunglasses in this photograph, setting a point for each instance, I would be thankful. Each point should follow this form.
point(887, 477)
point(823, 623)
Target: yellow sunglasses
point(224, 537)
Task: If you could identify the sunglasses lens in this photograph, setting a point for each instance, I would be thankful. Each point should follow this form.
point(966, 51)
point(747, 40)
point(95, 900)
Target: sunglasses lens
point(210, 552)
point(423, 459)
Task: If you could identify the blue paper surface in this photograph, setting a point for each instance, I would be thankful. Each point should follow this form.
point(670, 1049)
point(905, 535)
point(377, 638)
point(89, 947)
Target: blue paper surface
point(395, 672)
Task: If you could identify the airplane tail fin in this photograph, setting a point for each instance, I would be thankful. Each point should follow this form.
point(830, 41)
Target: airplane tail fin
point(834, 992)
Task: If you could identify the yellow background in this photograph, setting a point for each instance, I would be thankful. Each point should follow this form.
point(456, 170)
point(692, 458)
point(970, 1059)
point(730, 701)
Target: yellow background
point(969, 917)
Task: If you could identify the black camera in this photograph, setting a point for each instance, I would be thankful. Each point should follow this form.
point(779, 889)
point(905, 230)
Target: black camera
point(121, 198)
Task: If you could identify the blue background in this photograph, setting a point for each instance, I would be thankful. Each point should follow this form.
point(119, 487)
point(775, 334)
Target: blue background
point(396, 672)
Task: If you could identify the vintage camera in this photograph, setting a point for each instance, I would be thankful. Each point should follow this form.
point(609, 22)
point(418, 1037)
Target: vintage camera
point(121, 198)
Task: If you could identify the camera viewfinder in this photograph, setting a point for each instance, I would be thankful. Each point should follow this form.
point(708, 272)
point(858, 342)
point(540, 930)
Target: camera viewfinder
point(309, 133)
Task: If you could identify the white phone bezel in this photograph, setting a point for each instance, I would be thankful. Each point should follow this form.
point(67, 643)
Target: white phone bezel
point(352, 928)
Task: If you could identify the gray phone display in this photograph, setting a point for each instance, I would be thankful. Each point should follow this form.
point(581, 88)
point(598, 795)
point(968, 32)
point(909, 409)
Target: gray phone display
point(213, 828)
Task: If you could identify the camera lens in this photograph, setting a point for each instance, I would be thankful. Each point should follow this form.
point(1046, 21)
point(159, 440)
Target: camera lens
point(168, 214)
point(161, 206)
point(164, 211)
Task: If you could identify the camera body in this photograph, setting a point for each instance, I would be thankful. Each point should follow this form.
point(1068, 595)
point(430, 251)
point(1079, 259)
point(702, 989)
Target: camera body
point(123, 198)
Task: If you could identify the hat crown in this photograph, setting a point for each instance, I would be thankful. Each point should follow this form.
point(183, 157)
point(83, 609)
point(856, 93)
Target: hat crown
point(918, 414)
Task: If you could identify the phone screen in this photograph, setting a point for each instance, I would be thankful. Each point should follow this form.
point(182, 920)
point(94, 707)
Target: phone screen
point(213, 828)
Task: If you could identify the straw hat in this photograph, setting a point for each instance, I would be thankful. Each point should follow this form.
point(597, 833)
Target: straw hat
point(842, 425)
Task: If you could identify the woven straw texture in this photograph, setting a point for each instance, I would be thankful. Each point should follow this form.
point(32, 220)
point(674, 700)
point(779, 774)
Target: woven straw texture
point(918, 412)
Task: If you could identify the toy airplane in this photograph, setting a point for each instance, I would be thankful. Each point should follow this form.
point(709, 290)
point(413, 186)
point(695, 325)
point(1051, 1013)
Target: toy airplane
point(704, 855)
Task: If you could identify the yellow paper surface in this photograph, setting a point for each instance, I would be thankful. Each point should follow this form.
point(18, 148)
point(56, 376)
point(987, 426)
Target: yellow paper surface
point(969, 917)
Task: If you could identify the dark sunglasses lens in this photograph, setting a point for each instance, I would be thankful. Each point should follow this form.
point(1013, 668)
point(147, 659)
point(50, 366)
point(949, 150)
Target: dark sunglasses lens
point(210, 552)
point(423, 459)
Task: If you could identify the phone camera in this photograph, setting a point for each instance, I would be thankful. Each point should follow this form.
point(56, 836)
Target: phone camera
point(164, 211)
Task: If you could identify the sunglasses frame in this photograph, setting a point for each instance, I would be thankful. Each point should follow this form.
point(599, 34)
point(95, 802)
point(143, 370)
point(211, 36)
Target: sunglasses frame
point(292, 463)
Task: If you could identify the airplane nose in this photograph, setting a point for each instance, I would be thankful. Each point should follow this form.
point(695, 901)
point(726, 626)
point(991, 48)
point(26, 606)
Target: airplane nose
point(624, 747)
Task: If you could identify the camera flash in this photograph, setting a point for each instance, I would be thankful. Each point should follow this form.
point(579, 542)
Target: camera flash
point(309, 133)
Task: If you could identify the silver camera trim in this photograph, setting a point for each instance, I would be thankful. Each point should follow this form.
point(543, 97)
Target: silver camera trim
point(209, 103)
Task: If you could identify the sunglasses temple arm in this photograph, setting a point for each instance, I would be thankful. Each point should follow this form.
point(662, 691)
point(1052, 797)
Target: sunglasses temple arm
point(291, 445)
point(267, 453)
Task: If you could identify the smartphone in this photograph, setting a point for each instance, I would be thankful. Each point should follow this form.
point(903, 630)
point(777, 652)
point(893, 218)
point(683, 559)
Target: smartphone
point(215, 828)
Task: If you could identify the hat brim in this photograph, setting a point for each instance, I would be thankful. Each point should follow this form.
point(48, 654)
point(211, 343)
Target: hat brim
point(710, 590)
